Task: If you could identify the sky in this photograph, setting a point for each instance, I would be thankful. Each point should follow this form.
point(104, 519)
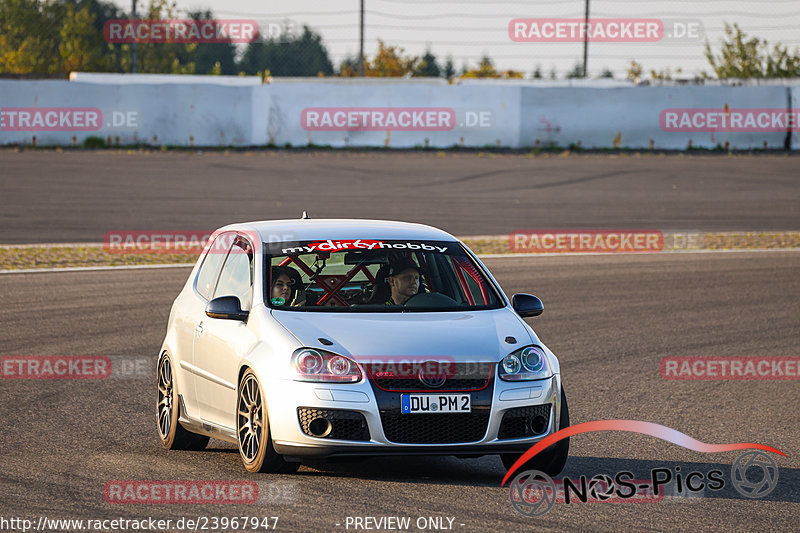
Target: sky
point(466, 30)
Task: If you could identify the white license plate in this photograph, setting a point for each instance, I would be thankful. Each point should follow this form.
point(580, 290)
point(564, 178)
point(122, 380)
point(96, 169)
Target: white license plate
point(435, 403)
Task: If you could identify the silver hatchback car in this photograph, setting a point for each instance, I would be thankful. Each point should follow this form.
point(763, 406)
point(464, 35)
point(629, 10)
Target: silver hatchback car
point(300, 339)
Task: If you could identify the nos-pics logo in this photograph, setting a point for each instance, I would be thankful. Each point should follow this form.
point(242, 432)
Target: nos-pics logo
point(754, 474)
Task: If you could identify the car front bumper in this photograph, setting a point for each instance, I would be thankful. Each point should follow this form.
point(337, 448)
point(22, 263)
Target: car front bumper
point(285, 397)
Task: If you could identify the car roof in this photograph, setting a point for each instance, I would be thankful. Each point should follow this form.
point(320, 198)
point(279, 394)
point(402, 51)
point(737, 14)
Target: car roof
point(332, 228)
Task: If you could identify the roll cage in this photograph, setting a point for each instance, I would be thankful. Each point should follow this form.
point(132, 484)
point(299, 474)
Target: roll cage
point(332, 284)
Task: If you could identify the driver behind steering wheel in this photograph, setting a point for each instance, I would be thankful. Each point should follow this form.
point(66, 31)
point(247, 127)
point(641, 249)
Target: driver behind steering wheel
point(403, 280)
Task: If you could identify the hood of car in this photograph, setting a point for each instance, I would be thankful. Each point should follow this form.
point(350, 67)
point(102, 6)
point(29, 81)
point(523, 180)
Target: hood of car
point(461, 335)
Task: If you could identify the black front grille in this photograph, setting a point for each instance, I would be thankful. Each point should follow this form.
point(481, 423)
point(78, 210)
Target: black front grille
point(435, 428)
point(459, 377)
point(517, 422)
point(346, 425)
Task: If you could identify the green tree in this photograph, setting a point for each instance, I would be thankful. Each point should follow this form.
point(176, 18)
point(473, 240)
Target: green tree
point(428, 67)
point(576, 72)
point(389, 62)
point(607, 73)
point(348, 68)
point(213, 58)
point(104, 11)
point(29, 36)
point(449, 69)
point(743, 57)
point(163, 58)
point(485, 70)
point(58, 36)
point(81, 46)
point(288, 55)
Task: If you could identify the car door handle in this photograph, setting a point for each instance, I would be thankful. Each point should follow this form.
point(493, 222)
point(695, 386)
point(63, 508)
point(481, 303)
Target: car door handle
point(199, 328)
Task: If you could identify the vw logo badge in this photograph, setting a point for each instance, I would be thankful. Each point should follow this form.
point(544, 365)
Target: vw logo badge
point(434, 380)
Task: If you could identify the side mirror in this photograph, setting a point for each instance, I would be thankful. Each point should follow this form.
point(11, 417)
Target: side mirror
point(228, 307)
point(527, 305)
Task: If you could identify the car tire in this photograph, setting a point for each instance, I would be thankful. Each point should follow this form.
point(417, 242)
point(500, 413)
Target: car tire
point(173, 436)
point(252, 430)
point(551, 461)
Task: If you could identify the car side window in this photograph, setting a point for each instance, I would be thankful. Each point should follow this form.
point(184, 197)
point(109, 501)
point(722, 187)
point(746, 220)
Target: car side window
point(207, 276)
point(236, 278)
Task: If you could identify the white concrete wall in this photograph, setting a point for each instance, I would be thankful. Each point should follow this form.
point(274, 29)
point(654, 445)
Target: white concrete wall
point(497, 105)
point(173, 110)
point(629, 117)
point(795, 97)
point(170, 114)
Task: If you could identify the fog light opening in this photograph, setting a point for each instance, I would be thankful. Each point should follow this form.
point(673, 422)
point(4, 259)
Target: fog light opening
point(320, 427)
point(537, 424)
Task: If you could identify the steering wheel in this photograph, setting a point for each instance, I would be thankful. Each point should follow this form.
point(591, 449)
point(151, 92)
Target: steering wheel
point(431, 299)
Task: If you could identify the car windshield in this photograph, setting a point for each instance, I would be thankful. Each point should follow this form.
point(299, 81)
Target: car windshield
point(375, 276)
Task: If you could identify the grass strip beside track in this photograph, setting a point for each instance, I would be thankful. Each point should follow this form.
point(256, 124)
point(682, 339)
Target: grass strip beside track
point(674, 241)
point(19, 257)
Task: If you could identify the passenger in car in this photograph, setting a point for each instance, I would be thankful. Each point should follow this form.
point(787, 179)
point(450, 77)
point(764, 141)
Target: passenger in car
point(287, 287)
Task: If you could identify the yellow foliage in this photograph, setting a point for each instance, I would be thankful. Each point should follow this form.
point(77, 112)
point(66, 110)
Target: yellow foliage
point(390, 63)
point(486, 70)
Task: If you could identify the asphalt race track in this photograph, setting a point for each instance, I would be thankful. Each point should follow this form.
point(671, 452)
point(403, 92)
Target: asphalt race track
point(610, 319)
point(78, 196)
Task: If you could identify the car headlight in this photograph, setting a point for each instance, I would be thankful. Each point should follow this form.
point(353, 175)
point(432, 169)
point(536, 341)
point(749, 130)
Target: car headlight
point(511, 364)
point(524, 364)
point(311, 364)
